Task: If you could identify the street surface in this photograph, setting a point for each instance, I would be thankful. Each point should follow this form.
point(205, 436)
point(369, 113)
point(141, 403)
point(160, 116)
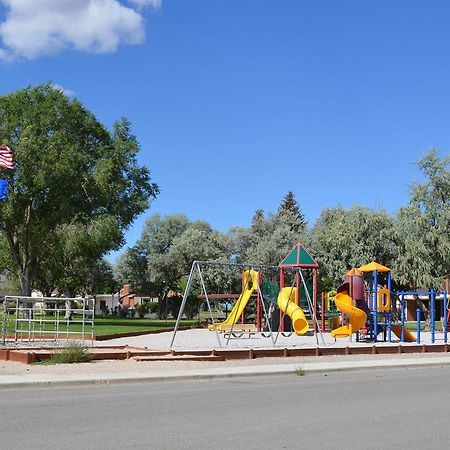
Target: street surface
point(379, 409)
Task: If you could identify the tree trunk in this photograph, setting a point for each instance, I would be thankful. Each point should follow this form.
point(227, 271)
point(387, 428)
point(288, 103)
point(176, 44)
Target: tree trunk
point(426, 312)
point(25, 284)
point(25, 290)
point(163, 307)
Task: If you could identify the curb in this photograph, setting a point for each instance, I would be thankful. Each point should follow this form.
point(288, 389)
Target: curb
point(215, 373)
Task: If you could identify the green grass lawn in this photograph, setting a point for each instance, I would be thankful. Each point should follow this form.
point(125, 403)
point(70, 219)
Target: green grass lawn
point(112, 325)
point(108, 325)
point(103, 326)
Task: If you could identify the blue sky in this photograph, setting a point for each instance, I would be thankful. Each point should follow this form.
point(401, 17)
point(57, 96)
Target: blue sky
point(236, 102)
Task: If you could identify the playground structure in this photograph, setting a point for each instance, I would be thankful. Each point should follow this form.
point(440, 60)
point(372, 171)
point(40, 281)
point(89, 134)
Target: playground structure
point(279, 308)
point(372, 310)
point(366, 307)
point(35, 319)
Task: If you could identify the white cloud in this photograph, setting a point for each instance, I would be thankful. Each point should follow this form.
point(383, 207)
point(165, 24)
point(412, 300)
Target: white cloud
point(40, 27)
point(142, 3)
point(65, 91)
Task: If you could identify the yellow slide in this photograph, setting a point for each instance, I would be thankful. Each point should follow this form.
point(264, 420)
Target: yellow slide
point(286, 302)
point(357, 317)
point(397, 330)
point(250, 286)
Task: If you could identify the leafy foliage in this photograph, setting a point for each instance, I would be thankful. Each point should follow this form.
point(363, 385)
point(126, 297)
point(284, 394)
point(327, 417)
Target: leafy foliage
point(73, 353)
point(424, 227)
point(343, 239)
point(76, 189)
point(165, 252)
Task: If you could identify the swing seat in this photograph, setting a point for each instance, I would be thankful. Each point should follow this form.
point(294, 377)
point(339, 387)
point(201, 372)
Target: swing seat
point(239, 329)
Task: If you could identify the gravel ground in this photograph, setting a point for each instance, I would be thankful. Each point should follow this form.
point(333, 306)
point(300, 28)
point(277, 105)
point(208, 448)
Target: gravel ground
point(197, 339)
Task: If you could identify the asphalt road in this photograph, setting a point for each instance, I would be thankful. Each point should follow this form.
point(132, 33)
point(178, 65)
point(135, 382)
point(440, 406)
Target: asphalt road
point(392, 409)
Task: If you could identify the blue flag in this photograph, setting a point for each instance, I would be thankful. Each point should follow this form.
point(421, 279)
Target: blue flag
point(3, 189)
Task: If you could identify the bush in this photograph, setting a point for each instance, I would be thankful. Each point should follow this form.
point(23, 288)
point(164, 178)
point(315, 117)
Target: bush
point(152, 307)
point(73, 353)
point(141, 310)
point(123, 311)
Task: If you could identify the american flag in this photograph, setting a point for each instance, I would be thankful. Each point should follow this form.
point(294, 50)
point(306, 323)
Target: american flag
point(6, 157)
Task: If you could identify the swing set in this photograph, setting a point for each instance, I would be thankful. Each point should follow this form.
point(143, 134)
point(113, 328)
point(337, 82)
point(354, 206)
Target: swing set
point(279, 309)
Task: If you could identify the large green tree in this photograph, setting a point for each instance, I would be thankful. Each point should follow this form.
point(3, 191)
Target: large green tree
point(132, 268)
point(346, 238)
point(163, 256)
point(76, 188)
point(423, 259)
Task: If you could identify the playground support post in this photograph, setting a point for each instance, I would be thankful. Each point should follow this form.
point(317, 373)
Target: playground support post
point(389, 328)
point(266, 315)
point(390, 309)
point(297, 291)
point(195, 266)
point(243, 287)
point(433, 323)
point(283, 313)
point(281, 327)
point(315, 298)
point(375, 305)
point(258, 306)
point(418, 325)
point(403, 316)
point(323, 313)
point(444, 301)
point(183, 302)
point(311, 309)
point(209, 304)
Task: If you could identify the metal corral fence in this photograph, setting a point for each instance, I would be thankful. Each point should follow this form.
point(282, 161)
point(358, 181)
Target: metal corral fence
point(33, 319)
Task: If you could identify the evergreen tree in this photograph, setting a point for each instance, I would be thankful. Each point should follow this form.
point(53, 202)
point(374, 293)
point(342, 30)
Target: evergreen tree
point(258, 222)
point(290, 211)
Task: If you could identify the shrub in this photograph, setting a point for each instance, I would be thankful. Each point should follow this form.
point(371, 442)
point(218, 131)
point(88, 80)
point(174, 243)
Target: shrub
point(152, 307)
point(142, 310)
point(73, 353)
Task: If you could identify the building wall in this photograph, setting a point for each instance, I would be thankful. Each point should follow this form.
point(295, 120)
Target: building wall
point(110, 301)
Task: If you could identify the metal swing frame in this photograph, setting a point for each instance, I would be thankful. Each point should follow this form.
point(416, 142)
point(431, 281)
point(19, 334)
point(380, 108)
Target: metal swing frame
point(196, 271)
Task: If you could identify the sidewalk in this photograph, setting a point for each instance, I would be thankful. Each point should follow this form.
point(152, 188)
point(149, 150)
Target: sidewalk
point(21, 380)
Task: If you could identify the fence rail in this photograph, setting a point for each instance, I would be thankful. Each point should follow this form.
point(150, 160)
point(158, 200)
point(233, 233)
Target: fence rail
point(32, 319)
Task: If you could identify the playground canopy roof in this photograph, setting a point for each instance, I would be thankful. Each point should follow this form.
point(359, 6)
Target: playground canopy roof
point(354, 272)
point(299, 257)
point(374, 266)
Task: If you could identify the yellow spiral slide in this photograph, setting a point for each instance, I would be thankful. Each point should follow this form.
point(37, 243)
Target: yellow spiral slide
point(286, 302)
point(357, 317)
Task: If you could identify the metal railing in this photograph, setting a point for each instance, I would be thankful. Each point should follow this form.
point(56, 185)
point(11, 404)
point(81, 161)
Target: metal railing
point(32, 319)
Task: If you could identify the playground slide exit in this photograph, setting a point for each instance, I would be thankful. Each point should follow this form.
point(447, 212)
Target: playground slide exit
point(250, 286)
point(357, 317)
point(286, 302)
point(408, 336)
